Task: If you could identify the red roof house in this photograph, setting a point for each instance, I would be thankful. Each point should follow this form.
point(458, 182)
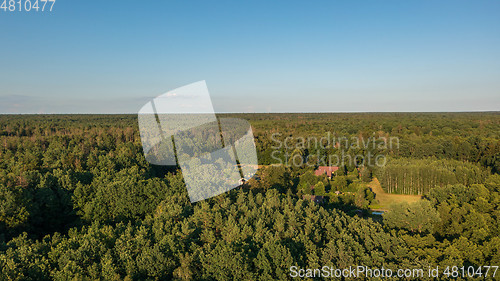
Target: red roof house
point(328, 170)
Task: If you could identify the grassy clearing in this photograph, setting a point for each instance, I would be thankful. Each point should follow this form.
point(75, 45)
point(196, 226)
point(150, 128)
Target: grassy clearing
point(386, 199)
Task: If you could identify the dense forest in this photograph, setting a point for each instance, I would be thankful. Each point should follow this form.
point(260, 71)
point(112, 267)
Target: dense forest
point(79, 201)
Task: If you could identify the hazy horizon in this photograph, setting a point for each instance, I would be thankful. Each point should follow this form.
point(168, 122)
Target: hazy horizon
point(310, 112)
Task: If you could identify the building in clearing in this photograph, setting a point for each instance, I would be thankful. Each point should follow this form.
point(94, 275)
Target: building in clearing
point(328, 170)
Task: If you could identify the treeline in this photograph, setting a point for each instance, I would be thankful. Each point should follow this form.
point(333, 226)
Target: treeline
point(419, 176)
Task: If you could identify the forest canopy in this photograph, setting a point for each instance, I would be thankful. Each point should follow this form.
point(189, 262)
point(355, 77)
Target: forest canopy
point(78, 200)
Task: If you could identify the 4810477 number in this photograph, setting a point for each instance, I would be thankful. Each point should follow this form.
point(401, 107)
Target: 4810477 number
point(27, 5)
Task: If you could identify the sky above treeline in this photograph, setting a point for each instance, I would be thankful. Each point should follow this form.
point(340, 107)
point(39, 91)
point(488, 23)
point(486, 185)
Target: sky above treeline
point(255, 56)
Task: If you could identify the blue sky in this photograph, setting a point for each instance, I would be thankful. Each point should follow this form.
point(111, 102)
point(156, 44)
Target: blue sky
point(256, 56)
